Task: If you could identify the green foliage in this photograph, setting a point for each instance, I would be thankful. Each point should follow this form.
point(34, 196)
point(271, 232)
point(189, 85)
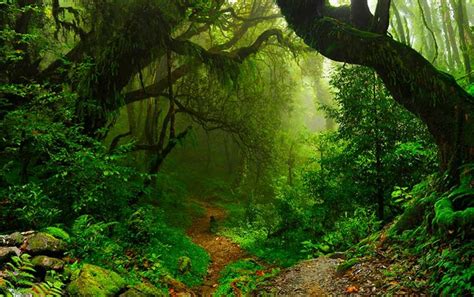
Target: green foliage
point(57, 233)
point(242, 277)
point(52, 170)
point(49, 289)
point(144, 242)
point(29, 206)
point(20, 279)
point(350, 230)
point(20, 272)
point(382, 144)
point(452, 270)
point(313, 250)
point(90, 239)
point(52, 286)
point(401, 197)
point(445, 256)
point(470, 89)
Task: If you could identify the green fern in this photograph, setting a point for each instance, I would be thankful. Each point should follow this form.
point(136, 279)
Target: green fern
point(20, 271)
point(58, 233)
point(48, 288)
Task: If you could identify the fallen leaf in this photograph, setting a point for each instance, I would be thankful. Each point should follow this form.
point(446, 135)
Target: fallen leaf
point(352, 289)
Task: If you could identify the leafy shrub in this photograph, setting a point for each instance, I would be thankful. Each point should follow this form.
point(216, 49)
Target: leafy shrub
point(28, 207)
point(351, 229)
point(347, 232)
point(143, 246)
point(51, 167)
point(446, 257)
point(91, 239)
point(452, 271)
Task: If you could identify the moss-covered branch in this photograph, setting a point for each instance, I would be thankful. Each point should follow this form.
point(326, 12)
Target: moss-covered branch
point(447, 219)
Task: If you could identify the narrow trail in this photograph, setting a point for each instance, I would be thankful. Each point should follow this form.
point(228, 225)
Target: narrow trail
point(221, 250)
point(315, 277)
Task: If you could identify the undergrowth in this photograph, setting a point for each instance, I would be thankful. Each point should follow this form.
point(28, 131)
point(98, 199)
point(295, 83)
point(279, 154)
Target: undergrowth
point(242, 277)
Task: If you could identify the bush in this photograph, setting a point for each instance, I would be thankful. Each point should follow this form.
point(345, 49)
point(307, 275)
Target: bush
point(143, 246)
point(350, 230)
point(28, 207)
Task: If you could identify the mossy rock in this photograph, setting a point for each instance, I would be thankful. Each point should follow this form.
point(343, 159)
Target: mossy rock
point(6, 253)
point(48, 263)
point(143, 290)
point(44, 244)
point(95, 281)
point(413, 216)
point(446, 218)
point(346, 265)
point(14, 239)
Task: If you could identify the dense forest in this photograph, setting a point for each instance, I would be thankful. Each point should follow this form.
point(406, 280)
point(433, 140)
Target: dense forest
point(236, 147)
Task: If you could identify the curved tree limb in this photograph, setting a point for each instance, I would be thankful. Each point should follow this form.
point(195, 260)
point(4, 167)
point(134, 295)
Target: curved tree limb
point(189, 48)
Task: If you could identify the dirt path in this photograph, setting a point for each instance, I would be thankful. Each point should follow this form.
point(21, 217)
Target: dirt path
point(314, 277)
point(377, 274)
point(221, 250)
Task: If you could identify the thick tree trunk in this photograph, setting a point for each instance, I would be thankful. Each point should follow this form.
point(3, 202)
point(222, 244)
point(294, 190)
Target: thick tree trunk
point(432, 95)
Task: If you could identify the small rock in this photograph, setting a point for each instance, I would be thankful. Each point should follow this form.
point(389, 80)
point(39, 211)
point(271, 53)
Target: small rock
point(44, 244)
point(337, 255)
point(48, 263)
point(184, 264)
point(14, 239)
point(27, 233)
point(7, 252)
